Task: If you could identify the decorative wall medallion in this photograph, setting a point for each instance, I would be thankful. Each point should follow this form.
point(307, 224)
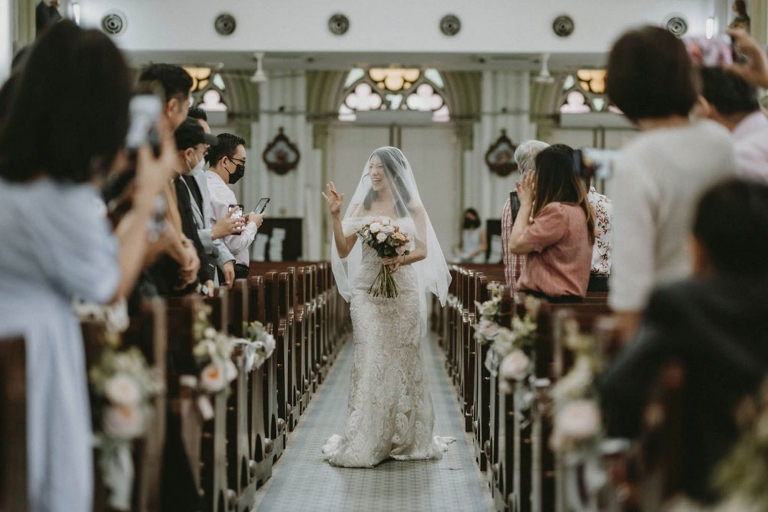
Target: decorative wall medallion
point(281, 155)
point(563, 26)
point(501, 156)
point(677, 26)
point(338, 24)
point(450, 25)
point(113, 23)
point(225, 24)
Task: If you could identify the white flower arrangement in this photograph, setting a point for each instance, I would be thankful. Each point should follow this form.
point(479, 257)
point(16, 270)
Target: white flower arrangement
point(122, 386)
point(259, 344)
point(213, 354)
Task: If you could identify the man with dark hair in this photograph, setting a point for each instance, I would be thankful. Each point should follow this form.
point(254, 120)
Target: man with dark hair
point(210, 234)
point(227, 166)
point(729, 100)
point(713, 323)
point(176, 84)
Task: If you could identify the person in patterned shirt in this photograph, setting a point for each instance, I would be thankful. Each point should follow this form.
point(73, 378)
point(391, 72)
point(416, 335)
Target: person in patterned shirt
point(525, 157)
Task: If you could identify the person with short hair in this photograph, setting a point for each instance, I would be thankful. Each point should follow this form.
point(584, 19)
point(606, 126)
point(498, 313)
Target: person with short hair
point(714, 323)
point(729, 100)
point(211, 235)
point(658, 177)
point(525, 156)
point(555, 228)
point(227, 166)
point(176, 84)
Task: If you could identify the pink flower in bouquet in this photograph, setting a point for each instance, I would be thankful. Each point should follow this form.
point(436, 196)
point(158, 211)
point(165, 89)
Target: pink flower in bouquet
point(401, 237)
point(400, 250)
point(375, 227)
point(388, 229)
point(381, 237)
point(397, 229)
point(123, 422)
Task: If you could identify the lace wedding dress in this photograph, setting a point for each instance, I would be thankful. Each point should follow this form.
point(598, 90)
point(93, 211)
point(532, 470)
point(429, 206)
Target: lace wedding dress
point(390, 413)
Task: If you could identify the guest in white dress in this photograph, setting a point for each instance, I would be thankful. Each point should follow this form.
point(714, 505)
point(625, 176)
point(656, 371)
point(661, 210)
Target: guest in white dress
point(61, 136)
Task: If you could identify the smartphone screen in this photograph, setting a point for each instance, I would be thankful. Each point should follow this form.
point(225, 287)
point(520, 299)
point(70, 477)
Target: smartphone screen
point(261, 205)
point(515, 203)
point(717, 51)
point(145, 111)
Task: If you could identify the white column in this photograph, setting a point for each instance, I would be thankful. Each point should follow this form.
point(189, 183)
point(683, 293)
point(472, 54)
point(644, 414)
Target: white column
point(508, 90)
point(6, 39)
point(292, 194)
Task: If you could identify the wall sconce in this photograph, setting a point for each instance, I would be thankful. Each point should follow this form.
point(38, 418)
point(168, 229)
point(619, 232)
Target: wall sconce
point(710, 28)
point(76, 12)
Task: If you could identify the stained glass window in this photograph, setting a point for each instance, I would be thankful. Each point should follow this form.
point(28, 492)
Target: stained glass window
point(394, 89)
point(208, 92)
point(584, 92)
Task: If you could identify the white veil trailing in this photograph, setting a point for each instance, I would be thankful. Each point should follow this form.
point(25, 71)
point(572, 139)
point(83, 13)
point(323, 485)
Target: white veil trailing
point(390, 191)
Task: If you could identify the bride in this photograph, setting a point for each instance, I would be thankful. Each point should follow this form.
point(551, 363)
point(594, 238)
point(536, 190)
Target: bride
point(390, 412)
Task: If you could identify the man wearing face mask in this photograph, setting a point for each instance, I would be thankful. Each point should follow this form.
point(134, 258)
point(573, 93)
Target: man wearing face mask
point(192, 144)
point(227, 166)
point(211, 235)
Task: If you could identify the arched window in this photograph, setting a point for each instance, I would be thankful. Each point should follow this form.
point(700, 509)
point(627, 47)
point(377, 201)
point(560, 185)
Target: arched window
point(585, 92)
point(208, 89)
point(394, 89)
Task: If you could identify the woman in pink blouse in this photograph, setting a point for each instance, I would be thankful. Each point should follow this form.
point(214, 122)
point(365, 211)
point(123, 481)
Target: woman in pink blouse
point(555, 227)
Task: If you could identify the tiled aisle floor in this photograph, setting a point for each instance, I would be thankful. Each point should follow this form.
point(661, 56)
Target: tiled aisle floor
point(303, 481)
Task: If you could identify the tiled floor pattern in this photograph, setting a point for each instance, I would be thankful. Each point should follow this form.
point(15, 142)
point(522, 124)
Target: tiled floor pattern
point(302, 481)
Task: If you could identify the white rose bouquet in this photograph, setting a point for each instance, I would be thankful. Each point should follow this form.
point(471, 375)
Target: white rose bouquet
point(388, 241)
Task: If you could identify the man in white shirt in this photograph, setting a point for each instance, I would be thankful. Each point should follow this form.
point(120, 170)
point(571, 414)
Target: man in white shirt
point(732, 102)
point(227, 166)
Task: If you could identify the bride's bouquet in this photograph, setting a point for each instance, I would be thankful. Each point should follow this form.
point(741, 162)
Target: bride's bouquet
point(388, 241)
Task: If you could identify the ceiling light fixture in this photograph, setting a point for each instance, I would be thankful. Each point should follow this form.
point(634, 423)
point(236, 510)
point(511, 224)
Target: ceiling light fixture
point(259, 76)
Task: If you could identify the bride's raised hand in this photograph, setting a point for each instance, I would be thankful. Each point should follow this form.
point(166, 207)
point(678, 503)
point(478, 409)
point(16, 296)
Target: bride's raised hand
point(334, 199)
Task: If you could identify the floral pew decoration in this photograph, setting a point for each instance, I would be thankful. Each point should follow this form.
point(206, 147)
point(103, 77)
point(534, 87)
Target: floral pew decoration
point(123, 386)
point(213, 354)
point(578, 437)
point(258, 345)
point(511, 350)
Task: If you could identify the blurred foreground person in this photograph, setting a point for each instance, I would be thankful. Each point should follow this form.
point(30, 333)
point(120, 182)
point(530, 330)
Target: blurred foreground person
point(62, 136)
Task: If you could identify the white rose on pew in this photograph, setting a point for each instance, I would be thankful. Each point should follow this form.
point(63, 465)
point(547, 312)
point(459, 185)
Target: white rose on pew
point(488, 308)
point(213, 377)
point(504, 342)
point(209, 333)
point(576, 422)
point(122, 389)
point(375, 227)
point(270, 344)
point(230, 371)
point(205, 350)
point(123, 422)
point(488, 329)
point(575, 383)
point(514, 366)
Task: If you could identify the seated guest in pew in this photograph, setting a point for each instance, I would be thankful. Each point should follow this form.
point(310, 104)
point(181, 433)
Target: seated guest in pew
point(555, 228)
point(62, 135)
point(660, 175)
point(714, 323)
point(227, 166)
point(211, 235)
point(729, 100)
point(525, 156)
point(473, 243)
point(192, 145)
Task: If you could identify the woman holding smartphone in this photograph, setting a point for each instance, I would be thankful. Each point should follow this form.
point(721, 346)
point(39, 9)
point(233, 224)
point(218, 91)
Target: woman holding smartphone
point(555, 229)
point(63, 134)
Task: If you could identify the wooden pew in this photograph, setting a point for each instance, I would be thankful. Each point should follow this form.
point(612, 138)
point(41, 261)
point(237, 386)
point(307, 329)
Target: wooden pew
point(13, 425)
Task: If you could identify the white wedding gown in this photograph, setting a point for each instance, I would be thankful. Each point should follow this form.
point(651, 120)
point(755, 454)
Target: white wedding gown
point(390, 413)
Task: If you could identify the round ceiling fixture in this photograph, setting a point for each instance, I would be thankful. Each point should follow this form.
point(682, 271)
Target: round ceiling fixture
point(677, 25)
point(563, 26)
point(338, 24)
point(450, 25)
point(113, 23)
point(225, 24)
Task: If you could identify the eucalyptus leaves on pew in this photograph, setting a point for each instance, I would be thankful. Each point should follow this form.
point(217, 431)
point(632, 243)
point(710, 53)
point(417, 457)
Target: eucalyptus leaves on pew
point(122, 385)
point(742, 476)
point(258, 344)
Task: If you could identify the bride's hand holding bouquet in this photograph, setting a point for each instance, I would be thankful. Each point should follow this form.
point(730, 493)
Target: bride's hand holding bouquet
point(392, 246)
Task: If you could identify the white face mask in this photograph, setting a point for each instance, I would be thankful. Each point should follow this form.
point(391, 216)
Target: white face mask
point(198, 166)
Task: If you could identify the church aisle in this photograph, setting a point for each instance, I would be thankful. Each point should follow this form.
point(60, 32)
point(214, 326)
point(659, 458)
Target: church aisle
point(303, 481)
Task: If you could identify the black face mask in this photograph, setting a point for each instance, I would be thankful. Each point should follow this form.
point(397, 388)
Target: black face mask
point(239, 173)
point(470, 223)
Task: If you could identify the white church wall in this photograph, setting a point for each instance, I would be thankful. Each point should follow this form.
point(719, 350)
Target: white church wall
point(6, 39)
point(395, 26)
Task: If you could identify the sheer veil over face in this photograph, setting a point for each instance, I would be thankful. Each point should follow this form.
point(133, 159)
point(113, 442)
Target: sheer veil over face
point(387, 188)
